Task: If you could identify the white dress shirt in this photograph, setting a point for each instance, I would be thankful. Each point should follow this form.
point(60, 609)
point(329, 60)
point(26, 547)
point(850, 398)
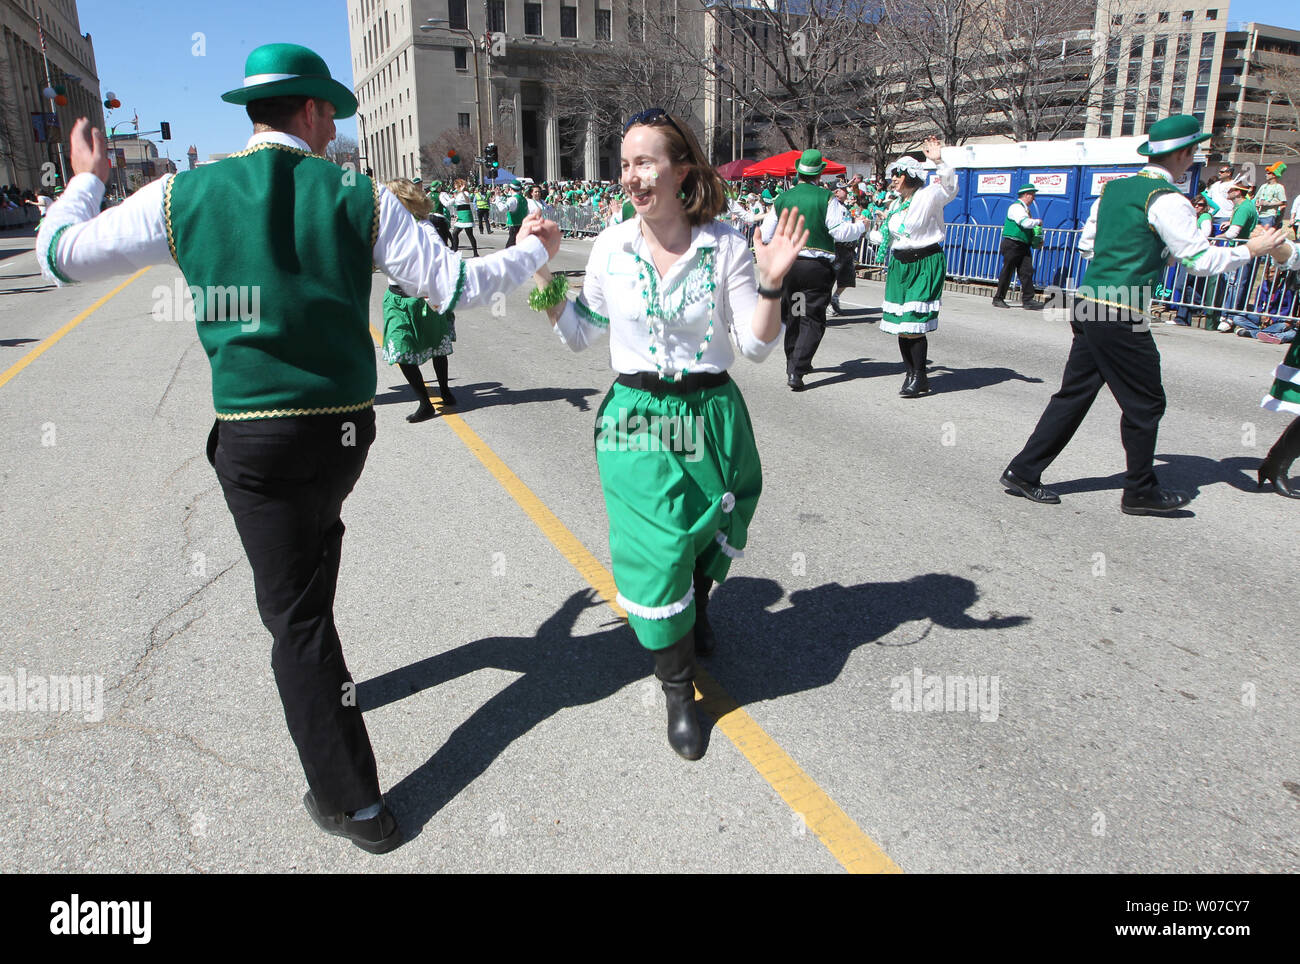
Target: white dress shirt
point(614, 298)
point(1173, 218)
point(133, 235)
point(1218, 192)
point(1019, 213)
point(920, 223)
point(841, 227)
point(1295, 209)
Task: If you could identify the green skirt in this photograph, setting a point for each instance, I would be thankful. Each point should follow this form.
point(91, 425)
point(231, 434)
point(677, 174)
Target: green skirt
point(414, 332)
point(681, 477)
point(1284, 396)
point(912, 295)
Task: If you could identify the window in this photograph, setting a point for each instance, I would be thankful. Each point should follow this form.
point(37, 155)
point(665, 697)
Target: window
point(461, 57)
point(462, 121)
point(1163, 17)
point(569, 22)
point(1141, 18)
point(496, 16)
point(532, 19)
point(1211, 15)
point(602, 25)
point(458, 18)
point(634, 31)
point(1117, 20)
point(1187, 16)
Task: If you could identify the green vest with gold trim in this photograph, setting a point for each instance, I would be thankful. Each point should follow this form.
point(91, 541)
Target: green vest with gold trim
point(811, 201)
point(515, 216)
point(279, 244)
point(1129, 258)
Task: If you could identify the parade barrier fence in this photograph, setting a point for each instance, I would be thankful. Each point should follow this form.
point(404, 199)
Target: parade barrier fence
point(17, 217)
point(972, 254)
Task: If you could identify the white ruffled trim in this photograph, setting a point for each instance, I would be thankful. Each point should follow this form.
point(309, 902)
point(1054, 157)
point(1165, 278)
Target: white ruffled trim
point(1277, 405)
point(1285, 373)
point(727, 550)
point(657, 612)
point(894, 308)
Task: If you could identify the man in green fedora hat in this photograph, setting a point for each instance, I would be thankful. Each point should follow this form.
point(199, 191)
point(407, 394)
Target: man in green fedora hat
point(808, 285)
point(1137, 224)
point(1017, 249)
point(281, 228)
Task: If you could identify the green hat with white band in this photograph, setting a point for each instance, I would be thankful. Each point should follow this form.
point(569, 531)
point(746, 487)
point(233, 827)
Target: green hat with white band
point(1172, 134)
point(284, 70)
point(1027, 189)
point(810, 163)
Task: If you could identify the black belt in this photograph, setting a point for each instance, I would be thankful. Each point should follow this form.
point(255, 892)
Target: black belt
point(397, 290)
point(911, 255)
point(652, 383)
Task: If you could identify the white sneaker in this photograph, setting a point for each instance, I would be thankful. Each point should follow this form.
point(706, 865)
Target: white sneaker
point(1224, 326)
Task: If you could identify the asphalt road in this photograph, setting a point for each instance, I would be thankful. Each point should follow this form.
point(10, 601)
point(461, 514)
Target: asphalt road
point(1139, 688)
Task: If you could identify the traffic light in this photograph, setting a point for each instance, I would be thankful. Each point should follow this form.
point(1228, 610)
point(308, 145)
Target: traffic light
point(490, 153)
point(166, 131)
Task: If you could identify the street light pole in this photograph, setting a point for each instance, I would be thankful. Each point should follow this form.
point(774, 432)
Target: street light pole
point(433, 23)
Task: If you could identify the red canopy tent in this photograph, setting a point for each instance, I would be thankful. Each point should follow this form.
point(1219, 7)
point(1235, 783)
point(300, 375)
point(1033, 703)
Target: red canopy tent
point(734, 170)
point(782, 165)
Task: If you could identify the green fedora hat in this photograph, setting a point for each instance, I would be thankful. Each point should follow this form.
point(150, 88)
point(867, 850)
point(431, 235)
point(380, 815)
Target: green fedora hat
point(279, 70)
point(1171, 134)
point(1027, 189)
point(810, 163)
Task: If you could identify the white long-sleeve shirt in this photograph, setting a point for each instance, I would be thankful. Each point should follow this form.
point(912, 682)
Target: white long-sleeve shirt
point(919, 224)
point(1218, 192)
point(621, 283)
point(1173, 218)
point(839, 225)
point(133, 235)
point(1019, 213)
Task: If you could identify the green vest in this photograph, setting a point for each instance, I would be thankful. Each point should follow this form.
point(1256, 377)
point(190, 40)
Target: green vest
point(811, 201)
point(1246, 215)
point(1128, 260)
point(282, 251)
point(435, 205)
point(1012, 230)
point(516, 216)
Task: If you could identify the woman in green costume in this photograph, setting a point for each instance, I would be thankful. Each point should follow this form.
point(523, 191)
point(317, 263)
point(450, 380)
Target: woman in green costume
point(674, 445)
point(415, 331)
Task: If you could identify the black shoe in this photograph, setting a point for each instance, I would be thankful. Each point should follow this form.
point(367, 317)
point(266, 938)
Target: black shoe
point(1030, 490)
point(1033, 304)
point(423, 413)
point(909, 386)
point(1000, 303)
point(378, 835)
point(1155, 502)
point(1276, 466)
point(675, 668)
point(922, 384)
point(795, 381)
point(447, 397)
point(835, 305)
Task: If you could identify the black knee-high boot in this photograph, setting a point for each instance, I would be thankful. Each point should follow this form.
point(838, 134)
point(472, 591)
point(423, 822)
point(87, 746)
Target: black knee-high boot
point(440, 370)
point(704, 638)
point(1277, 463)
point(425, 410)
point(920, 346)
point(675, 668)
point(909, 380)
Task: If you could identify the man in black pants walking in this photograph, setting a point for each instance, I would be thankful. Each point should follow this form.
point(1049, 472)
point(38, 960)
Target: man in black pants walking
point(1017, 250)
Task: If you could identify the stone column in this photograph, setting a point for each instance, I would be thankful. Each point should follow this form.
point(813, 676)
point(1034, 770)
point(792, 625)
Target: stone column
point(552, 137)
point(591, 156)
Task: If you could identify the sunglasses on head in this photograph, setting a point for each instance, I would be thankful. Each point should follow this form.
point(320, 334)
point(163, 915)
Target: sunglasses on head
point(649, 117)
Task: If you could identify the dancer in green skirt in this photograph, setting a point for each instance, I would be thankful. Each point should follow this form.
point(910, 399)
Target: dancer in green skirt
point(675, 290)
point(913, 230)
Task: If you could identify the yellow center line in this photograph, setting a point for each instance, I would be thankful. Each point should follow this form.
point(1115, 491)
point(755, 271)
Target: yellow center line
point(845, 840)
point(40, 349)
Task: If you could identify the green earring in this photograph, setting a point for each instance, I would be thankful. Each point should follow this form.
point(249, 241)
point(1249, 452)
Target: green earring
point(681, 195)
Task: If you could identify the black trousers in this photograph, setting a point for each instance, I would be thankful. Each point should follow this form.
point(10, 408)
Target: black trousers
point(804, 297)
point(1106, 350)
point(1016, 257)
point(483, 224)
point(512, 235)
point(285, 480)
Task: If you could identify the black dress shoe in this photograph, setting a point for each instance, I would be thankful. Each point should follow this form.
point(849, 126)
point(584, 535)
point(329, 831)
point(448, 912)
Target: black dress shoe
point(909, 386)
point(795, 381)
point(423, 413)
point(378, 835)
point(1033, 304)
point(1155, 502)
point(1000, 303)
point(1030, 490)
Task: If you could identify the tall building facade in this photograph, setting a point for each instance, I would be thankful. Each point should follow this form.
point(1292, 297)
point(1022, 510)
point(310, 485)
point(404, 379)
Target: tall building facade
point(26, 141)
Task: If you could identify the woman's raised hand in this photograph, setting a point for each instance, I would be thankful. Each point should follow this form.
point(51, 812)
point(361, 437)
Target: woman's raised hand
point(776, 257)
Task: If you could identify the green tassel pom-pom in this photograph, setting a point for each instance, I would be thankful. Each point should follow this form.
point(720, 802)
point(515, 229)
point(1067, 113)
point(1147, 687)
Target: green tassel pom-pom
point(541, 299)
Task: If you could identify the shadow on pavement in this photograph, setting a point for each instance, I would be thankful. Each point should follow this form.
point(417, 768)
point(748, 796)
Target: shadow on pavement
point(489, 394)
point(1190, 473)
point(945, 379)
point(15, 342)
point(761, 655)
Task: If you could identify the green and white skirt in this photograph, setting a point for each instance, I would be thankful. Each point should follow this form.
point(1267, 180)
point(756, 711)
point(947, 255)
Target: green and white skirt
point(681, 477)
point(1284, 396)
point(913, 291)
point(414, 332)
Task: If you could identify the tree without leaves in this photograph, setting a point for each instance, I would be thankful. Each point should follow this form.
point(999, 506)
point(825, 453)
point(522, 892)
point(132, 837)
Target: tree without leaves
point(342, 150)
point(432, 155)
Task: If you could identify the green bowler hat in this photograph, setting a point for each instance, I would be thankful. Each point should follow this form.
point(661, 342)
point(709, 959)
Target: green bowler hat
point(1171, 134)
point(1027, 189)
point(810, 163)
point(279, 70)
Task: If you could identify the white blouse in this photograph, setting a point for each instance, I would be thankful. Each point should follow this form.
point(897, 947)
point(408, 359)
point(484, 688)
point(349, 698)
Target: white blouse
point(667, 320)
point(919, 224)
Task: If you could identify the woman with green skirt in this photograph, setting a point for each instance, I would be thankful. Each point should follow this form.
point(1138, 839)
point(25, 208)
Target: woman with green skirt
point(675, 290)
point(913, 232)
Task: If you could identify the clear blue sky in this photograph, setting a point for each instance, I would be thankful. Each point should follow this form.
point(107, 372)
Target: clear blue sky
point(143, 52)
